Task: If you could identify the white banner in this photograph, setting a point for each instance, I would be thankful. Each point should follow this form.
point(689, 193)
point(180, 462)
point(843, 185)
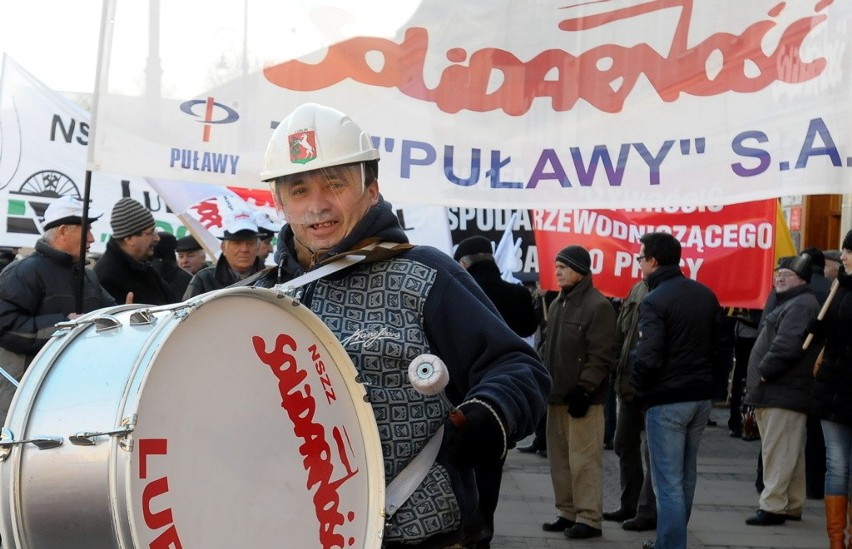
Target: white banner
point(616, 104)
point(43, 140)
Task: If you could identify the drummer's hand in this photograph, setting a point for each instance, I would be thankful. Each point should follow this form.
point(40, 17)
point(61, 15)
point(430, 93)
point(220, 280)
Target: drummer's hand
point(479, 440)
point(72, 316)
point(129, 299)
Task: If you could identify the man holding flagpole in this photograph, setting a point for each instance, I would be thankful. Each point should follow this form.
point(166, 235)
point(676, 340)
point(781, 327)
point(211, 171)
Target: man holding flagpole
point(41, 289)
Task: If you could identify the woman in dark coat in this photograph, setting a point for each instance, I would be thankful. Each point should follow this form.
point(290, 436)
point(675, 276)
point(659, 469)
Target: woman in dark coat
point(833, 400)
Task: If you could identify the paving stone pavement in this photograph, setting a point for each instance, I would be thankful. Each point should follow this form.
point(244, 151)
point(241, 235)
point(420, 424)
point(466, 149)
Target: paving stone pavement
point(725, 496)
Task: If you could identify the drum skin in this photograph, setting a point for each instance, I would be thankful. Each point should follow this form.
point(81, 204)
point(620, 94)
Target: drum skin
point(248, 429)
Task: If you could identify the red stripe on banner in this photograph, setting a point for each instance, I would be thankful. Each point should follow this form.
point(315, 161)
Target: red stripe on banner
point(729, 248)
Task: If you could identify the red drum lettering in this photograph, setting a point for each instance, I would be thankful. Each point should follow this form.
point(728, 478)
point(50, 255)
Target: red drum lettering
point(300, 405)
point(323, 373)
point(160, 519)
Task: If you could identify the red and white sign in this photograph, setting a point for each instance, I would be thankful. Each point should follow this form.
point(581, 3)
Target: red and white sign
point(731, 249)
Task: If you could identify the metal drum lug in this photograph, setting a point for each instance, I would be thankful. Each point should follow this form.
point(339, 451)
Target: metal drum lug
point(106, 322)
point(102, 323)
point(87, 438)
point(142, 317)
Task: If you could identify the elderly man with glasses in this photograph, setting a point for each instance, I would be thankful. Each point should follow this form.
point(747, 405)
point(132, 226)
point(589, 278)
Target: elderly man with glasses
point(779, 387)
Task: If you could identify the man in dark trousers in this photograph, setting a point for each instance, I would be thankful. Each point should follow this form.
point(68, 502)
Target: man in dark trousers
point(514, 303)
point(638, 509)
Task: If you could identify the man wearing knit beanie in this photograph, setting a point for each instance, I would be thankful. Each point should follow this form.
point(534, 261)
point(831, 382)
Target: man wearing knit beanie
point(578, 351)
point(124, 269)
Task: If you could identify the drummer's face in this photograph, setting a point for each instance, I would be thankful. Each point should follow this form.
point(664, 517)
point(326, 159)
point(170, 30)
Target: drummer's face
point(323, 206)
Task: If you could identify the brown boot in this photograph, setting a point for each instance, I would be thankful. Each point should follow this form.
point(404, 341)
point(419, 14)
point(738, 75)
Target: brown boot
point(836, 508)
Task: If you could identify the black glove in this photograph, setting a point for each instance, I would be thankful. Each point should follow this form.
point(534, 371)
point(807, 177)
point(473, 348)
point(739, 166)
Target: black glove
point(479, 440)
point(578, 401)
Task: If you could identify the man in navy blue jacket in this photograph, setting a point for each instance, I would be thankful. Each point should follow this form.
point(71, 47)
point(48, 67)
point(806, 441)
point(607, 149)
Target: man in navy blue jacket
point(679, 334)
point(399, 302)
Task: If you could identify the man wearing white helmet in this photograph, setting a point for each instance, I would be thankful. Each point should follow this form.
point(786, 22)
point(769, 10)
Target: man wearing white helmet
point(400, 302)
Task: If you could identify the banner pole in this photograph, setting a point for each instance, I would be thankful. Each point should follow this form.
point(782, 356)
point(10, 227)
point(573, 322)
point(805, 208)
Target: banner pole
point(84, 237)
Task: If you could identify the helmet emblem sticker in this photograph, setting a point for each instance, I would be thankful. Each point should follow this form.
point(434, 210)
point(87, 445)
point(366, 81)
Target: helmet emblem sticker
point(303, 146)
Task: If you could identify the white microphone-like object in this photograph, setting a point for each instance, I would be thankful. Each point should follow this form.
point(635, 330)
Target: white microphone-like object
point(429, 376)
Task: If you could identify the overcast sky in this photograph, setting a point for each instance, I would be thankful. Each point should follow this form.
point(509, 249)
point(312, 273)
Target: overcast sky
point(55, 40)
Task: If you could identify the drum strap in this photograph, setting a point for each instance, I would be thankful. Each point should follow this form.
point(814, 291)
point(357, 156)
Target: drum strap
point(321, 272)
point(372, 250)
point(407, 481)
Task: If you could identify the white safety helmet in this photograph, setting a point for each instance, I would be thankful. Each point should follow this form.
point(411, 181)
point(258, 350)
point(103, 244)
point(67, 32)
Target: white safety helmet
point(312, 137)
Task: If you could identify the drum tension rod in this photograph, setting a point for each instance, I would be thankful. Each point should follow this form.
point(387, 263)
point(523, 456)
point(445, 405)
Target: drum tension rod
point(87, 438)
point(42, 442)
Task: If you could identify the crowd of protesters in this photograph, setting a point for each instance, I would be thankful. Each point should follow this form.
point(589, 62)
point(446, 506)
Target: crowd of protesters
point(657, 352)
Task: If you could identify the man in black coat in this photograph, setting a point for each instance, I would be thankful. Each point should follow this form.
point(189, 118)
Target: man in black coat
point(165, 263)
point(680, 341)
point(42, 289)
point(513, 301)
point(125, 270)
point(515, 305)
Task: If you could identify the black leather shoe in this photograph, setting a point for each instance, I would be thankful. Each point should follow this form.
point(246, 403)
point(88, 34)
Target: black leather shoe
point(649, 544)
point(639, 524)
point(582, 531)
point(795, 518)
point(620, 515)
point(559, 525)
point(765, 518)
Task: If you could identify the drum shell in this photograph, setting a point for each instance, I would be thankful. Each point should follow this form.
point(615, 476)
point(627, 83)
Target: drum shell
point(151, 377)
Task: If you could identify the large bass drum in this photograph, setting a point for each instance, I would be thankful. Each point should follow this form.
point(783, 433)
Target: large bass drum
point(230, 420)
